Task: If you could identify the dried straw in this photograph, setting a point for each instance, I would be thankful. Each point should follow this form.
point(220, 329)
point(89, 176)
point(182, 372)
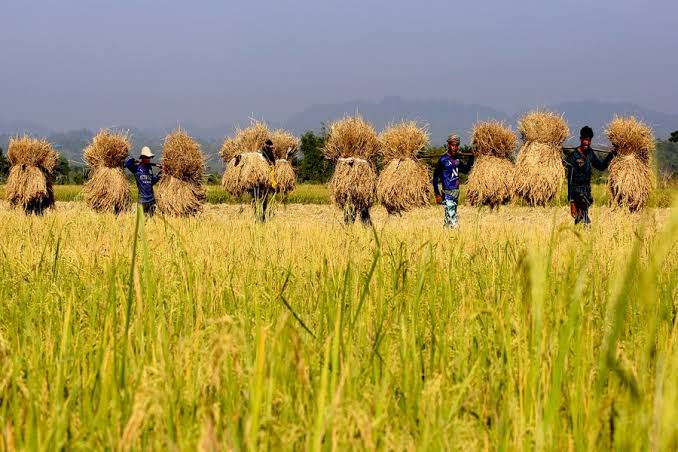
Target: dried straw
point(29, 182)
point(543, 126)
point(352, 141)
point(107, 189)
point(404, 185)
point(630, 183)
point(353, 184)
point(539, 172)
point(285, 146)
point(246, 168)
point(402, 141)
point(493, 138)
point(351, 136)
point(630, 136)
point(180, 191)
point(490, 181)
point(631, 179)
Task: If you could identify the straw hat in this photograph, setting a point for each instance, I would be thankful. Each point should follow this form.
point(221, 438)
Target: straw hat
point(146, 152)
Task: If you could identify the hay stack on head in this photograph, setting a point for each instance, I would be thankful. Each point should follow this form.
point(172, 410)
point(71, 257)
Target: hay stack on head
point(405, 182)
point(285, 147)
point(180, 191)
point(351, 143)
point(107, 189)
point(631, 179)
point(246, 167)
point(491, 178)
point(539, 170)
point(29, 183)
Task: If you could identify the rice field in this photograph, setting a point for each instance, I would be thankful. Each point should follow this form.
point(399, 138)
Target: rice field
point(517, 331)
point(319, 194)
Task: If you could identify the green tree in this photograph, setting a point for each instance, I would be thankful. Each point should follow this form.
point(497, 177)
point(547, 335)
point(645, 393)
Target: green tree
point(4, 166)
point(313, 167)
point(674, 137)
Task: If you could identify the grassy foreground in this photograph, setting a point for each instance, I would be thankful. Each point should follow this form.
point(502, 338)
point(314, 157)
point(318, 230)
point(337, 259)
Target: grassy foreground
point(319, 194)
point(517, 331)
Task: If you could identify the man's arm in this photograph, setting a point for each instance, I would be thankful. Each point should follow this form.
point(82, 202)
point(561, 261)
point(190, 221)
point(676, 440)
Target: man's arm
point(156, 178)
point(130, 164)
point(597, 164)
point(466, 167)
point(436, 178)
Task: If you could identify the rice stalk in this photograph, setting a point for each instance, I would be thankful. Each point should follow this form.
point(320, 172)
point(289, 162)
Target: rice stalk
point(404, 185)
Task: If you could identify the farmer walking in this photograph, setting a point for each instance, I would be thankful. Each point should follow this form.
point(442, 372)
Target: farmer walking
point(143, 174)
point(262, 194)
point(579, 164)
point(447, 173)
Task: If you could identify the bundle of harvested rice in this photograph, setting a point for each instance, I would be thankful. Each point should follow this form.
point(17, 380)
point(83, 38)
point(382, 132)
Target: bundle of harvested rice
point(490, 181)
point(246, 167)
point(107, 189)
point(405, 182)
point(631, 178)
point(539, 170)
point(29, 183)
point(180, 191)
point(284, 148)
point(352, 142)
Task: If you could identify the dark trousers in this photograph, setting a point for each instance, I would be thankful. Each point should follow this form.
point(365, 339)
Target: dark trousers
point(582, 205)
point(351, 214)
point(149, 208)
point(261, 197)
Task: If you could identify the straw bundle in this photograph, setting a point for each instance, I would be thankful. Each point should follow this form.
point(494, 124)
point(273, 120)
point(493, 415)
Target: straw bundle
point(180, 191)
point(107, 189)
point(631, 179)
point(539, 171)
point(29, 182)
point(405, 183)
point(352, 142)
point(284, 147)
point(246, 168)
point(491, 178)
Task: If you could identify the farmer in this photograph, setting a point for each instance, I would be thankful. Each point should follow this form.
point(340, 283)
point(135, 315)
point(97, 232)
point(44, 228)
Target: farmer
point(261, 195)
point(447, 172)
point(579, 164)
point(352, 213)
point(143, 173)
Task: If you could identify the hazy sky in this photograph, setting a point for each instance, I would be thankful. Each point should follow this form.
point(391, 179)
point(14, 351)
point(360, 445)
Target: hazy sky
point(89, 63)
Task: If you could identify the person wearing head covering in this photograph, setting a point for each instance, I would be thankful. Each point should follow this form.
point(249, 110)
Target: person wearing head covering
point(446, 173)
point(145, 179)
point(579, 164)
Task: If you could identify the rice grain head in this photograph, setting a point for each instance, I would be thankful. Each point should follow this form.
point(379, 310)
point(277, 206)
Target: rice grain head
point(404, 185)
point(490, 182)
point(402, 140)
point(285, 177)
point(109, 149)
point(245, 172)
point(351, 136)
point(252, 138)
point(630, 136)
point(285, 144)
point(493, 138)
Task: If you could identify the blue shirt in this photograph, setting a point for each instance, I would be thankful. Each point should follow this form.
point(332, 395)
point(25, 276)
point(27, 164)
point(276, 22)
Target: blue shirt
point(143, 174)
point(447, 172)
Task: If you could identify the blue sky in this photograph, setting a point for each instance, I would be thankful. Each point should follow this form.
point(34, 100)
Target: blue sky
point(76, 63)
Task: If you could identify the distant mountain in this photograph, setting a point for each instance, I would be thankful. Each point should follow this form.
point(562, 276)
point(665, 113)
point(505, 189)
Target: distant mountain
point(18, 127)
point(444, 117)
